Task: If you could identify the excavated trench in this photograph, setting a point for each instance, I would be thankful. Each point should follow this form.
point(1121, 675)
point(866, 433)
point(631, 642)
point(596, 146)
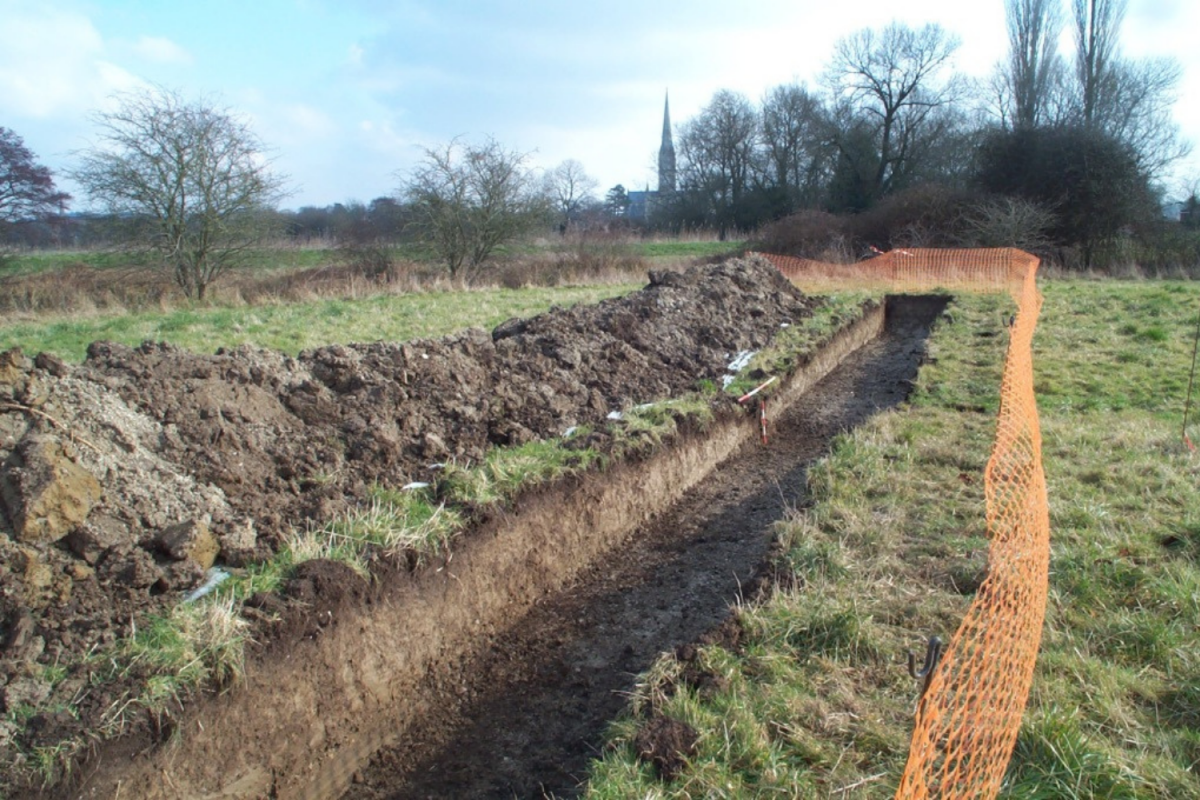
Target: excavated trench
point(494, 672)
point(530, 715)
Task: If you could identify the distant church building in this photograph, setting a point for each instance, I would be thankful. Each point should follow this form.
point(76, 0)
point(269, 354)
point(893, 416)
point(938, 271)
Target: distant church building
point(666, 152)
point(641, 204)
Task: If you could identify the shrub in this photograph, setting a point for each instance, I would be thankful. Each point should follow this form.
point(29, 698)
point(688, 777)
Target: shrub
point(808, 234)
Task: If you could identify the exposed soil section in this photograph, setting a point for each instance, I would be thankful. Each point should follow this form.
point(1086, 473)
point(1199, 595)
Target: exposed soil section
point(523, 719)
point(123, 479)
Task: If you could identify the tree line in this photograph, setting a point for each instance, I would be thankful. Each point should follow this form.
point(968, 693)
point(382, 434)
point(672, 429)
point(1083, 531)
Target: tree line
point(1084, 139)
point(891, 146)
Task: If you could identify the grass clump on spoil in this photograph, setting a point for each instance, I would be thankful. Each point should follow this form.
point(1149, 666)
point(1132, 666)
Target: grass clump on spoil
point(419, 521)
point(393, 524)
point(647, 425)
point(505, 471)
point(197, 645)
point(815, 701)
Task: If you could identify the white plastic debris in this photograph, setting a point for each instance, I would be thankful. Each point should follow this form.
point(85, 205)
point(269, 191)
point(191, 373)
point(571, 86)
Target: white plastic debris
point(739, 363)
point(741, 360)
point(216, 576)
point(415, 485)
point(615, 415)
point(569, 432)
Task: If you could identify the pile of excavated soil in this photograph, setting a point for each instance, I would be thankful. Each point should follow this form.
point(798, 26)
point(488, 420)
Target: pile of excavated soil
point(124, 479)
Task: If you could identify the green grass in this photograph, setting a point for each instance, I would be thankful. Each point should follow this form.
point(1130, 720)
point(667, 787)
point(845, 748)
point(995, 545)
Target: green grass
point(291, 328)
point(816, 701)
point(395, 524)
point(684, 249)
point(195, 645)
point(297, 258)
point(505, 471)
point(267, 258)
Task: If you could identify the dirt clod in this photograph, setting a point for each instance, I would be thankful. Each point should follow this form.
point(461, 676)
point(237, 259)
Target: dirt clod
point(190, 541)
point(667, 743)
point(45, 493)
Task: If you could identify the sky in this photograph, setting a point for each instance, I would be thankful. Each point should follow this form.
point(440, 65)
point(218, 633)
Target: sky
point(347, 94)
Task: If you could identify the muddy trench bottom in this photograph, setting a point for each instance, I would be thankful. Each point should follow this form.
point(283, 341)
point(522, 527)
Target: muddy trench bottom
point(526, 717)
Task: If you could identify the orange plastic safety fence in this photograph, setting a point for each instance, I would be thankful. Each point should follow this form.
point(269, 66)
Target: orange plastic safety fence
point(967, 721)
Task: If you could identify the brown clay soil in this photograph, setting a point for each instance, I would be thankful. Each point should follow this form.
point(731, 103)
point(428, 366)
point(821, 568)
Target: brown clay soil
point(523, 719)
point(124, 478)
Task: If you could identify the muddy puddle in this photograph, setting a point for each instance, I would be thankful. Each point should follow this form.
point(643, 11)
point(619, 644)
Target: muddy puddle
point(523, 718)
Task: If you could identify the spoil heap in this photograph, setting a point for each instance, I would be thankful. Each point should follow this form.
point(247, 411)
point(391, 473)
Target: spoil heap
point(123, 479)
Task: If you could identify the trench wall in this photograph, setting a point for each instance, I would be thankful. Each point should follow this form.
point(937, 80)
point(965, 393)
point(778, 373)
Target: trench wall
point(306, 719)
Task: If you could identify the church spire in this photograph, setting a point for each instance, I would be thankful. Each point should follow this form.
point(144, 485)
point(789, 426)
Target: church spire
point(666, 153)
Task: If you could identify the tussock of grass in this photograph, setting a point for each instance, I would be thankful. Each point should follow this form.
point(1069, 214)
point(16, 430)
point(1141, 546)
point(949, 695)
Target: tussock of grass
point(394, 524)
point(505, 471)
point(649, 424)
point(817, 698)
point(1054, 758)
point(198, 645)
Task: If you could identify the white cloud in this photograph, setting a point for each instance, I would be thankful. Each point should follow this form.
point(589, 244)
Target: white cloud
point(53, 65)
point(160, 50)
point(382, 138)
point(308, 122)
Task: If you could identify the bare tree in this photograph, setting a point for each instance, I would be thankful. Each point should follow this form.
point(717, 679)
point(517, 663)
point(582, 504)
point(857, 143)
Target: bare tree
point(468, 200)
point(1033, 64)
point(191, 180)
point(1097, 26)
point(719, 149)
point(569, 189)
point(1006, 221)
point(1130, 100)
point(1136, 109)
point(892, 82)
point(795, 143)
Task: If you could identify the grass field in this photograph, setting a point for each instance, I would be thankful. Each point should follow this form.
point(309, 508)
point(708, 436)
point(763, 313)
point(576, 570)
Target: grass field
point(816, 701)
point(296, 326)
point(273, 258)
point(291, 257)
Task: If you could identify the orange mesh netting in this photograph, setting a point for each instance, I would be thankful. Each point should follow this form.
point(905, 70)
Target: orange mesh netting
point(968, 719)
